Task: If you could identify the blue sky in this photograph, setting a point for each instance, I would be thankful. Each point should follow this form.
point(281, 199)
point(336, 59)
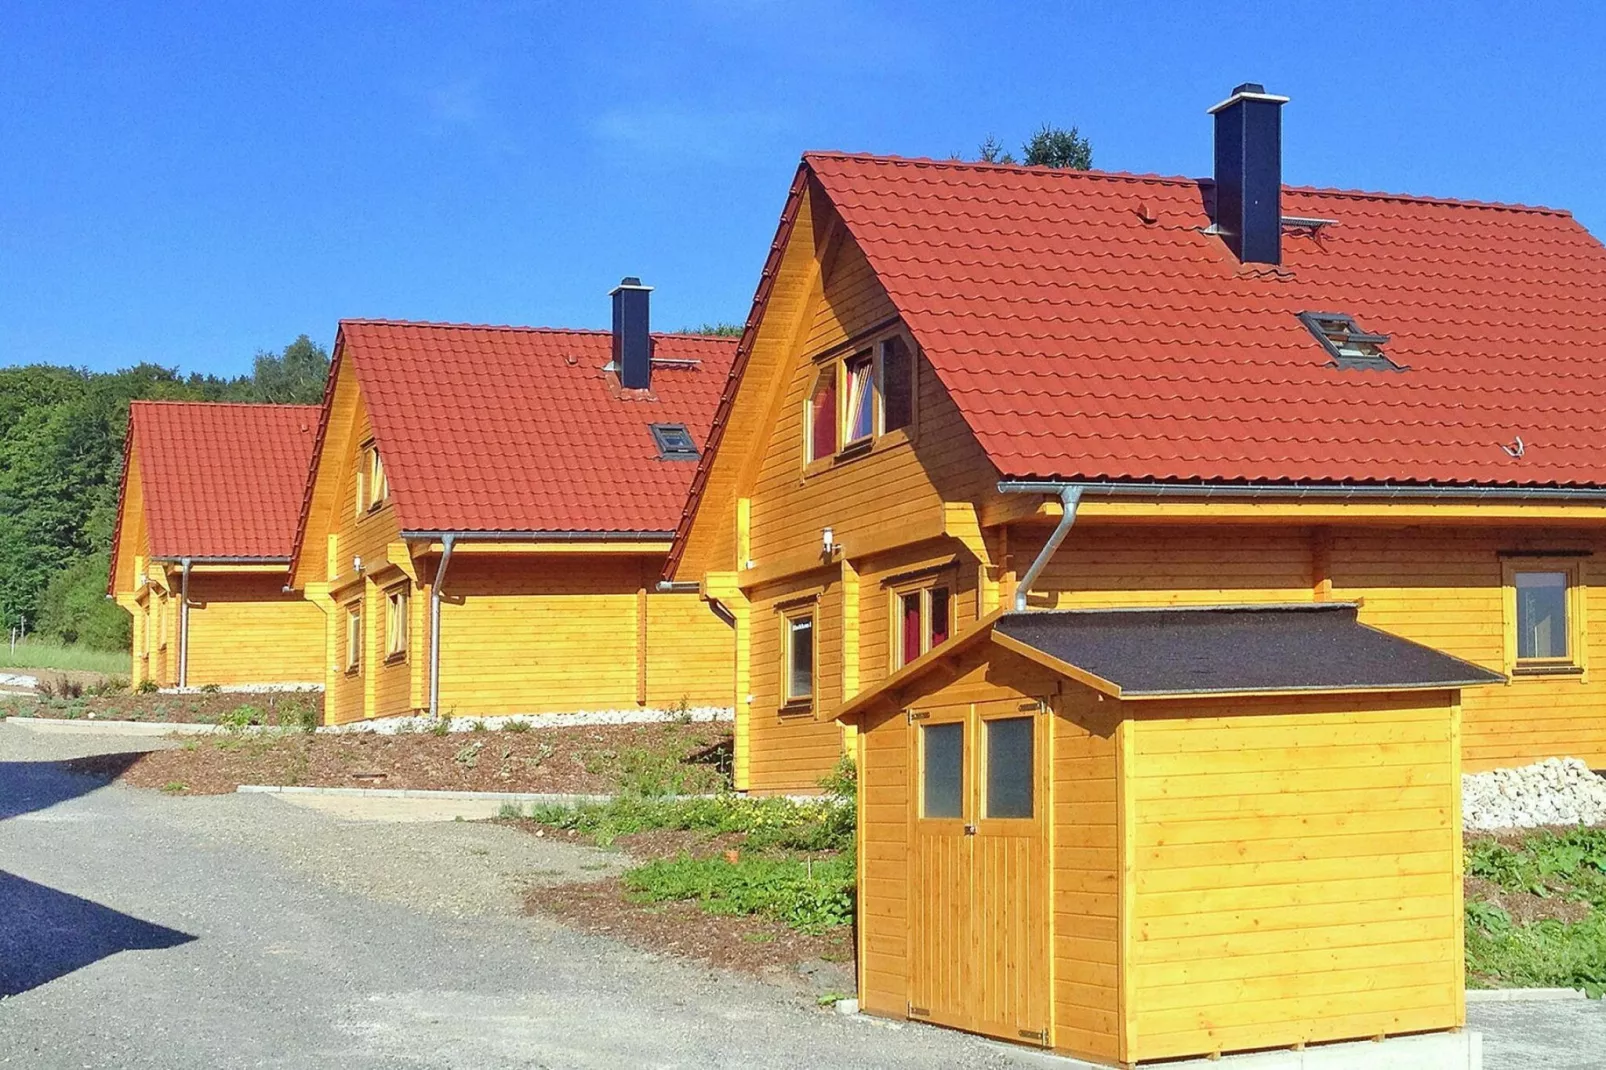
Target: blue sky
point(189, 183)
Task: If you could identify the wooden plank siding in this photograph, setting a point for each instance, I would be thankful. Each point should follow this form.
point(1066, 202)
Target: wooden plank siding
point(1085, 925)
point(558, 634)
point(904, 477)
point(1440, 586)
point(245, 629)
point(1297, 873)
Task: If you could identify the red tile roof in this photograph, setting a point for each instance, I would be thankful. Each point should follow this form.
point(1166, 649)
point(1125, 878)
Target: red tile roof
point(1082, 342)
point(520, 429)
point(221, 480)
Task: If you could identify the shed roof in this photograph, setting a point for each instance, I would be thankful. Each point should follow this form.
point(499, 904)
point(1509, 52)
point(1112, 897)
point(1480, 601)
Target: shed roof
point(1210, 651)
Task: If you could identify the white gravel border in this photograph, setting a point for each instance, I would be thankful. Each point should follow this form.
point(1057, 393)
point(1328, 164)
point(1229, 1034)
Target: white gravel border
point(384, 725)
point(498, 721)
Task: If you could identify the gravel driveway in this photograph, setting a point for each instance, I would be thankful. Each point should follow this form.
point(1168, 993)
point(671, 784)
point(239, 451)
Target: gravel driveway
point(138, 930)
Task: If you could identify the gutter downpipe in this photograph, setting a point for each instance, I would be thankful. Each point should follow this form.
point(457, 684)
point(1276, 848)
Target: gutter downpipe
point(1071, 498)
point(447, 542)
point(184, 625)
point(720, 609)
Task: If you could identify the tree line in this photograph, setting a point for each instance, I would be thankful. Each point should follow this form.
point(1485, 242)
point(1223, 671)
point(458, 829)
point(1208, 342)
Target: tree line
point(61, 455)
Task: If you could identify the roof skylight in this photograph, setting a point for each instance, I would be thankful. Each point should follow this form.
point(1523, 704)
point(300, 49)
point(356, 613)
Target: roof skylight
point(674, 442)
point(1349, 345)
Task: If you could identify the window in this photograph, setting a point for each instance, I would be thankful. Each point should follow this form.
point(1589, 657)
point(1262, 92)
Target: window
point(354, 637)
point(1542, 616)
point(860, 421)
point(924, 619)
point(798, 668)
point(858, 397)
point(822, 416)
point(1009, 766)
point(674, 442)
point(396, 623)
point(378, 486)
point(1349, 346)
point(942, 770)
point(897, 385)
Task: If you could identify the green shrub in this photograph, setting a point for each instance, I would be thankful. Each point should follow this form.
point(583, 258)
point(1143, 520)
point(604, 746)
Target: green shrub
point(242, 717)
point(147, 686)
point(442, 725)
point(808, 895)
point(1543, 954)
point(211, 689)
point(516, 726)
point(1570, 863)
point(299, 715)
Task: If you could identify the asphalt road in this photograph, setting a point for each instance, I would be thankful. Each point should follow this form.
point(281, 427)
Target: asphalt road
point(138, 930)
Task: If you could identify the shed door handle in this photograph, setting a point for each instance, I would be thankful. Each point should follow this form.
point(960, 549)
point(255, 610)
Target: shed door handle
point(970, 830)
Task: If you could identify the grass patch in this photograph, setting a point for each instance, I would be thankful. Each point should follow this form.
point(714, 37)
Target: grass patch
point(769, 824)
point(41, 654)
point(1550, 870)
point(795, 863)
point(810, 896)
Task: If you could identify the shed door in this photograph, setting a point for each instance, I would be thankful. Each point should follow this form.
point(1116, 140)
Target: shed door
point(979, 910)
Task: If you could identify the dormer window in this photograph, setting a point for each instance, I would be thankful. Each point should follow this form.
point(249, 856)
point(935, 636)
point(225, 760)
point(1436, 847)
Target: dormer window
point(1349, 346)
point(674, 442)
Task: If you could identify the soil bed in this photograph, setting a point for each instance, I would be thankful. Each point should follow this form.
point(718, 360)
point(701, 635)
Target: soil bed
point(819, 964)
point(585, 760)
point(255, 707)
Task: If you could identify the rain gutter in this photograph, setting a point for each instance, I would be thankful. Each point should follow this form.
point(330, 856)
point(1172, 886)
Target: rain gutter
point(1071, 494)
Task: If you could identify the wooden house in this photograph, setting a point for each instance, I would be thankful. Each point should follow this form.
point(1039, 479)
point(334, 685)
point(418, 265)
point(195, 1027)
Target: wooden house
point(206, 518)
point(965, 386)
point(489, 514)
point(1140, 834)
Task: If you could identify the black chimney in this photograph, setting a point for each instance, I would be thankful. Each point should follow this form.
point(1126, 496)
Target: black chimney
point(1249, 173)
point(632, 338)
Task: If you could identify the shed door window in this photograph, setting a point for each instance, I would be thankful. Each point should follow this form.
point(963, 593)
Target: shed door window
point(1009, 766)
point(799, 667)
point(1542, 616)
point(942, 756)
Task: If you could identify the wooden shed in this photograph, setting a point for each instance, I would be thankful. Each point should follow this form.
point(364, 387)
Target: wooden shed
point(1133, 835)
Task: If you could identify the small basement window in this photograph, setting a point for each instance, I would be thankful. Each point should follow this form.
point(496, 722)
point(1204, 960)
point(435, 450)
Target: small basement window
point(1349, 346)
point(674, 442)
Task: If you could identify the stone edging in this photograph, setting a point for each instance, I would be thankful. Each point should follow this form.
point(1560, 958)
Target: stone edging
point(124, 728)
point(1523, 995)
point(516, 797)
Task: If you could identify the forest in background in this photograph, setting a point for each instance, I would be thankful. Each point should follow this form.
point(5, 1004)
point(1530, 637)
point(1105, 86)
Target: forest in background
point(61, 456)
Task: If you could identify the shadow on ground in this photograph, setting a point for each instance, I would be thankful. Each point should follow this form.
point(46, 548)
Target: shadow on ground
point(28, 786)
point(48, 934)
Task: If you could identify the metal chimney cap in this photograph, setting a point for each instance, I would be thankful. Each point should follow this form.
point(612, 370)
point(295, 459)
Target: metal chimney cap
point(629, 282)
point(1249, 91)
